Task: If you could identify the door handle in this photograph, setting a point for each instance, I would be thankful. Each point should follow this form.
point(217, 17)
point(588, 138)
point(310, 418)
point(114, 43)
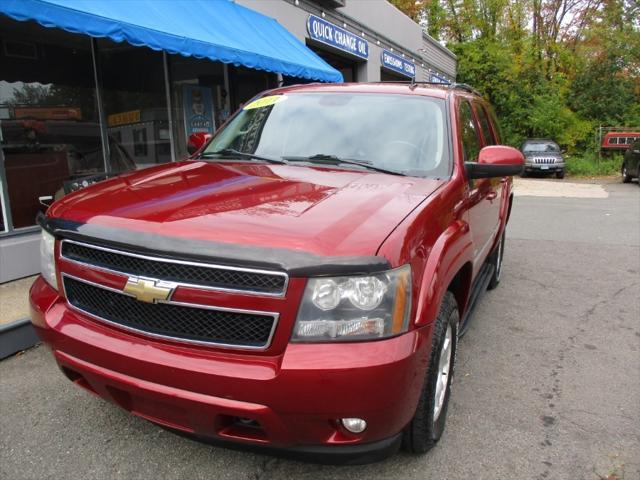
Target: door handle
point(492, 195)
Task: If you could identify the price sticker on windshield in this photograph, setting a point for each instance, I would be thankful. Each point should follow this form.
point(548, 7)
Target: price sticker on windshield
point(265, 102)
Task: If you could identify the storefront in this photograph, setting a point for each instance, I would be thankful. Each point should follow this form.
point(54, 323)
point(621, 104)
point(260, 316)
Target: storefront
point(366, 40)
point(75, 107)
point(395, 67)
point(337, 46)
point(110, 98)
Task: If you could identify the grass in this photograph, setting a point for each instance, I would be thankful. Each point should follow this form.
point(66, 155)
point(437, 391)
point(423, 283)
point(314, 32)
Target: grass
point(588, 165)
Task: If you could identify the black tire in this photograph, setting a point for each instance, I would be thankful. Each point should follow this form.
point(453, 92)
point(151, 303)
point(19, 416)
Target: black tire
point(560, 174)
point(626, 178)
point(423, 432)
point(496, 261)
point(523, 174)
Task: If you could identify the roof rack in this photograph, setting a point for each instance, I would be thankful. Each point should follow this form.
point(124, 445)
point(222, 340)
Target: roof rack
point(450, 85)
point(465, 87)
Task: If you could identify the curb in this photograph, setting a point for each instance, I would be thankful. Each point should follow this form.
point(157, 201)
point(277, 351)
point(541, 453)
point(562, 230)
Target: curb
point(17, 336)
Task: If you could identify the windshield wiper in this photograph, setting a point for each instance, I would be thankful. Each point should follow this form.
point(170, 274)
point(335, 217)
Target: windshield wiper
point(232, 152)
point(335, 160)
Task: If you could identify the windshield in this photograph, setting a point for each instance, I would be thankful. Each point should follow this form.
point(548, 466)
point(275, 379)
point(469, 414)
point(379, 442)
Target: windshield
point(541, 147)
point(400, 133)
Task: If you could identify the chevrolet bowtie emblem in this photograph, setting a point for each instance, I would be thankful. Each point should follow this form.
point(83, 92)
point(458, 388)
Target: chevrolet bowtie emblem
point(149, 291)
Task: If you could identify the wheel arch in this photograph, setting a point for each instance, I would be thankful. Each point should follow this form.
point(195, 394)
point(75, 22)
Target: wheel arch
point(449, 263)
point(460, 286)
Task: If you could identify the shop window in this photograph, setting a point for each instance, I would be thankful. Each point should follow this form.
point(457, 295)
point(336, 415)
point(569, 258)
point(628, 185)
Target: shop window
point(388, 76)
point(135, 102)
point(347, 67)
point(48, 117)
point(246, 83)
point(199, 99)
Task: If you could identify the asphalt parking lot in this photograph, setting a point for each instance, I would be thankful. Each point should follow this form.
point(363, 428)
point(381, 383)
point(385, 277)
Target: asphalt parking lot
point(547, 383)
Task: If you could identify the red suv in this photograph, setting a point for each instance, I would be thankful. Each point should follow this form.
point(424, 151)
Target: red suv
point(300, 282)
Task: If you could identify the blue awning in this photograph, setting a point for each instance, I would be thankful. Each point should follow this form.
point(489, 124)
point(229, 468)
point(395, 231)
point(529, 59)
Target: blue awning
point(219, 30)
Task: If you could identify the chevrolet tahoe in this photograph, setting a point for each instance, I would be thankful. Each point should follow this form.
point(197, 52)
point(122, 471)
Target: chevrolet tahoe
point(300, 282)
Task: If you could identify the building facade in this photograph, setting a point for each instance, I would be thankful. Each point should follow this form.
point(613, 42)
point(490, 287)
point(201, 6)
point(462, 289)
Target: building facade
point(74, 107)
point(393, 46)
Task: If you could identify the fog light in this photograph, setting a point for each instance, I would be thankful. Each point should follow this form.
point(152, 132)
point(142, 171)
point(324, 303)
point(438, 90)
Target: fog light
point(354, 425)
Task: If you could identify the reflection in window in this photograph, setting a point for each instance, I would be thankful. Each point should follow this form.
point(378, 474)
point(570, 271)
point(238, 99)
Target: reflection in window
point(541, 147)
point(135, 102)
point(200, 101)
point(470, 139)
point(48, 115)
point(484, 124)
point(341, 124)
point(3, 222)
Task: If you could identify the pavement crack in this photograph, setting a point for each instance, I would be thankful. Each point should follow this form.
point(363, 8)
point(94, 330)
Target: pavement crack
point(540, 284)
point(622, 289)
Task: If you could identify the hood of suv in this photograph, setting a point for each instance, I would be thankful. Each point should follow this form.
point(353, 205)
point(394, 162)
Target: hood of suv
point(325, 211)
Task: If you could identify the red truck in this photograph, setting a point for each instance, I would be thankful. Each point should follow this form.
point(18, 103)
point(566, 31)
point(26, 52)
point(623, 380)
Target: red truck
point(618, 141)
point(300, 282)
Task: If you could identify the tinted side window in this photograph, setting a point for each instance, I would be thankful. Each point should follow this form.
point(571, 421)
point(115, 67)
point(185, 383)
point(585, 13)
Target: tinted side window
point(487, 134)
point(469, 132)
point(613, 141)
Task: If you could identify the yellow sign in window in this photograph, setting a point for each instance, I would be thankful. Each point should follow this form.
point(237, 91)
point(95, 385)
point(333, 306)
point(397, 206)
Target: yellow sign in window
point(123, 118)
point(265, 102)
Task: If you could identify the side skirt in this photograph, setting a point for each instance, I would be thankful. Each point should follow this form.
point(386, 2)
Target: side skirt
point(479, 288)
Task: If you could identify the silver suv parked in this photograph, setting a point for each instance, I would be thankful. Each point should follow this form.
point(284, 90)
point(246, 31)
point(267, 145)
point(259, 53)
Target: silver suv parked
point(542, 156)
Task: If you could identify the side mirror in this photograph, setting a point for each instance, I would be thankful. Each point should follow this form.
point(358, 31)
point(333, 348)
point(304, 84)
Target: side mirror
point(496, 161)
point(197, 141)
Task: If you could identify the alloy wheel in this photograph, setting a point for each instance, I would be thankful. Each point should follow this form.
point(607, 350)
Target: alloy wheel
point(499, 260)
point(444, 369)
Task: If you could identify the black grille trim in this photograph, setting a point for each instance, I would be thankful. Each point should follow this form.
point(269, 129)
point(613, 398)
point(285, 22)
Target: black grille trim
point(182, 272)
point(197, 324)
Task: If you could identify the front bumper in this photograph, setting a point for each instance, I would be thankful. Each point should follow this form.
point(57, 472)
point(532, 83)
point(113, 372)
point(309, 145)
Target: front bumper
point(543, 167)
point(294, 398)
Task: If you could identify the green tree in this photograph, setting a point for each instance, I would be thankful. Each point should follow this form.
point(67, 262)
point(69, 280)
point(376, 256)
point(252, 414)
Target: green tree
point(551, 68)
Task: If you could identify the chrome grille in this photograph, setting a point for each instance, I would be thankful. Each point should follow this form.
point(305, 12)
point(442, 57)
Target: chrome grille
point(186, 273)
point(171, 320)
point(544, 160)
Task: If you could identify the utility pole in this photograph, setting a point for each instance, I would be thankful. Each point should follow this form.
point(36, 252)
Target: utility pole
point(599, 144)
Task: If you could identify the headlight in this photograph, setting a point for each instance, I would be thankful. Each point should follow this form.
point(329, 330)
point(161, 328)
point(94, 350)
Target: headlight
point(47, 261)
point(355, 308)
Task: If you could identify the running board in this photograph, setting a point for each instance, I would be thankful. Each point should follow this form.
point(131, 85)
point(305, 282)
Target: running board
point(478, 290)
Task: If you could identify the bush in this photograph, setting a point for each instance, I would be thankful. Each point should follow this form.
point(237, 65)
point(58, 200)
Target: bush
point(588, 165)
